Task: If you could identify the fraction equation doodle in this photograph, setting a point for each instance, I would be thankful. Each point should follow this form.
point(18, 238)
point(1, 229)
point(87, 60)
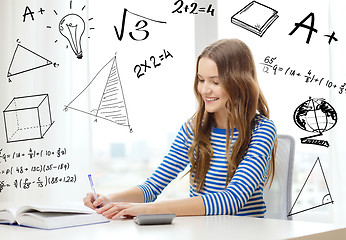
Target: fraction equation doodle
point(32, 154)
point(35, 168)
point(40, 182)
point(270, 66)
point(141, 69)
point(193, 8)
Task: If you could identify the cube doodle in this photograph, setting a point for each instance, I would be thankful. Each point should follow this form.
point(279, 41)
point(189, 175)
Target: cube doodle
point(27, 118)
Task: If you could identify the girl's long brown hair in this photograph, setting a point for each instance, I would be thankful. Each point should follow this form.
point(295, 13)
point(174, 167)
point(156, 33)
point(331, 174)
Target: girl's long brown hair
point(238, 77)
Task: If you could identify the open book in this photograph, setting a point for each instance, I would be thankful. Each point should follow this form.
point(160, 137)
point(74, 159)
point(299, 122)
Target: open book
point(48, 217)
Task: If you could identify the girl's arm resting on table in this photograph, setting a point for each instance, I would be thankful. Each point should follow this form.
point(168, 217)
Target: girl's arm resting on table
point(193, 206)
point(134, 195)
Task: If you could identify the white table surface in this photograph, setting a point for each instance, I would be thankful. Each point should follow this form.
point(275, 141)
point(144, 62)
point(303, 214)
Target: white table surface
point(203, 227)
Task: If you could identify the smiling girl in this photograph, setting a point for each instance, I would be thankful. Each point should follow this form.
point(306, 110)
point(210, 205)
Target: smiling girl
point(229, 145)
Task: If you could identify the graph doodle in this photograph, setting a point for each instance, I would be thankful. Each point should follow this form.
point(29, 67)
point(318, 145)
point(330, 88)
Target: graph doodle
point(25, 60)
point(324, 193)
point(27, 118)
point(317, 116)
point(255, 17)
point(107, 97)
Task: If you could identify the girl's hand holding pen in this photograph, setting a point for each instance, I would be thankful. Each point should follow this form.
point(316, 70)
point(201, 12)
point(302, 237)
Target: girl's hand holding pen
point(116, 210)
point(90, 201)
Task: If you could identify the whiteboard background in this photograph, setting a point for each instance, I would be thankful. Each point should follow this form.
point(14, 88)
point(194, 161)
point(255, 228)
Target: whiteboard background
point(160, 101)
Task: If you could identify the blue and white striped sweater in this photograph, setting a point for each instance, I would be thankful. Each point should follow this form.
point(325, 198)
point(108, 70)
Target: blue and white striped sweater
point(243, 195)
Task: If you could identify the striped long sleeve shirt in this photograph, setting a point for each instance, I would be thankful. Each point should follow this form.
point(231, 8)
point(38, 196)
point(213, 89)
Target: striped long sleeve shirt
point(244, 193)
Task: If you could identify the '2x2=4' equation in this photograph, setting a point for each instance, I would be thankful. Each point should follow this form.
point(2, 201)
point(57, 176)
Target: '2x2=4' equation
point(269, 66)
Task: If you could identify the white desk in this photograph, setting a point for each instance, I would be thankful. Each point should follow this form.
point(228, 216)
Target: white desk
point(205, 227)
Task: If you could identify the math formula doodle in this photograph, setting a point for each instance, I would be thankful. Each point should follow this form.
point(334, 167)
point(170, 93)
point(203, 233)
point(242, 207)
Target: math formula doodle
point(39, 168)
point(31, 153)
point(34, 168)
point(270, 67)
point(193, 8)
point(26, 183)
point(154, 62)
point(140, 32)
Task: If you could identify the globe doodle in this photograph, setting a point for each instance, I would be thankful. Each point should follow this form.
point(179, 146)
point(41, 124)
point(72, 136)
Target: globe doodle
point(317, 116)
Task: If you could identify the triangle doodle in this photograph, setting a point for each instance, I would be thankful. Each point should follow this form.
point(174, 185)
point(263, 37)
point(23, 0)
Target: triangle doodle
point(25, 60)
point(322, 197)
point(106, 96)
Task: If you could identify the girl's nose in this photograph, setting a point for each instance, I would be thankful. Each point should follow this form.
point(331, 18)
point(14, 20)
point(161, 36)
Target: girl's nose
point(206, 89)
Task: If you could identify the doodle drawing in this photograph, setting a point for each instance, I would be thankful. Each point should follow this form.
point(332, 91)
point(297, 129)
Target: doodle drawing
point(27, 118)
point(25, 60)
point(72, 27)
point(323, 194)
point(255, 17)
point(317, 116)
point(106, 94)
point(140, 27)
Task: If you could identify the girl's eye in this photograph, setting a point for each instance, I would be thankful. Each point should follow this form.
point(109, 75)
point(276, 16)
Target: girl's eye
point(216, 83)
point(201, 80)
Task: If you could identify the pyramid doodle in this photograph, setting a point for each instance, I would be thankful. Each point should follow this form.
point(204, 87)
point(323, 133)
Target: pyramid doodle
point(106, 96)
point(25, 60)
point(322, 196)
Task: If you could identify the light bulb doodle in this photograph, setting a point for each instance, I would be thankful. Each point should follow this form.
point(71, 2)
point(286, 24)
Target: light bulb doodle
point(72, 27)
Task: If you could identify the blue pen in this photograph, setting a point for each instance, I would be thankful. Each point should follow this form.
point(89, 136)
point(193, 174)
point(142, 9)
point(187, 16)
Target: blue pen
point(93, 187)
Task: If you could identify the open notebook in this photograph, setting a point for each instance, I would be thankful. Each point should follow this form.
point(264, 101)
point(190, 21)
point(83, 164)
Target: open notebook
point(51, 217)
